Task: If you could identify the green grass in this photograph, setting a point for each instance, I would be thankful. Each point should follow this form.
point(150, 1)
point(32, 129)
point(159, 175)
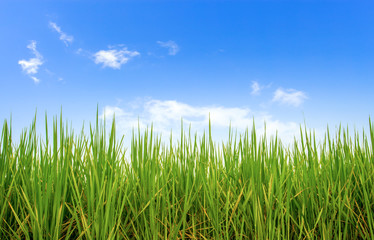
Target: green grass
point(76, 186)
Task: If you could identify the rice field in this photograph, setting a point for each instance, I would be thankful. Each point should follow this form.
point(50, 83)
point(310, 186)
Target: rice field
point(71, 185)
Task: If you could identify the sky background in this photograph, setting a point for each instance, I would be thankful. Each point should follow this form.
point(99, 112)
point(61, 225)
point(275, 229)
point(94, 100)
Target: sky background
point(283, 62)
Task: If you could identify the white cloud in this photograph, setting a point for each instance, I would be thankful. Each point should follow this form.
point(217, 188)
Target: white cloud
point(109, 111)
point(114, 58)
point(289, 97)
point(255, 88)
point(171, 45)
point(63, 36)
point(79, 51)
point(35, 79)
point(167, 115)
point(32, 65)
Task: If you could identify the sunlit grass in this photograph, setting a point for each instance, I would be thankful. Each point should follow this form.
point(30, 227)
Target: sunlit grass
point(82, 186)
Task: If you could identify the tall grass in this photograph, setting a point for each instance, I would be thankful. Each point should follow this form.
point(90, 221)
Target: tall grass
point(77, 186)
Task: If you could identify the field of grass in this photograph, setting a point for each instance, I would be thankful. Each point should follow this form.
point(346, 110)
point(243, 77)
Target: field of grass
point(76, 186)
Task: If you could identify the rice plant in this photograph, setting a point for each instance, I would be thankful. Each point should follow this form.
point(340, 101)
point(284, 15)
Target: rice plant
point(82, 186)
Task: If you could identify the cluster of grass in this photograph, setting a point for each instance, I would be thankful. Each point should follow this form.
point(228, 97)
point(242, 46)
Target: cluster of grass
point(77, 186)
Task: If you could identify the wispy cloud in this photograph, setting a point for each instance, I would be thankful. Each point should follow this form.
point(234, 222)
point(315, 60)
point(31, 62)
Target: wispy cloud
point(67, 39)
point(171, 46)
point(166, 115)
point(289, 97)
point(32, 65)
point(114, 58)
point(79, 51)
point(35, 79)
point(255, 88)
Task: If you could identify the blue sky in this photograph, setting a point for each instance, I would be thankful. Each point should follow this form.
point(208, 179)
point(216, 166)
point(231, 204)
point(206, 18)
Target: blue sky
point(282, 62)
